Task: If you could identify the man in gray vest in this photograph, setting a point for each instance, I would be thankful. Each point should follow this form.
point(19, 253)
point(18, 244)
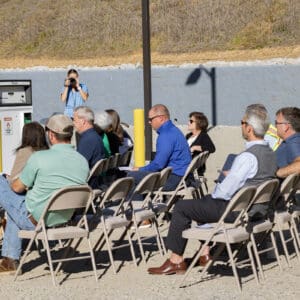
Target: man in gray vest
point(253, 166)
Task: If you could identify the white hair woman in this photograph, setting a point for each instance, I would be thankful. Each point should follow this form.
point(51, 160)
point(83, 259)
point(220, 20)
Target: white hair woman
point(102, 122)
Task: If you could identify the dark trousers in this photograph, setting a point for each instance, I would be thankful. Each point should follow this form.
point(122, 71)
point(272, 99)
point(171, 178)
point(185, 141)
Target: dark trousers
point(204, 210)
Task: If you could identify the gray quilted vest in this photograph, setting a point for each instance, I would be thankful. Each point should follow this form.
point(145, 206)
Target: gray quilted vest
point(267, 164)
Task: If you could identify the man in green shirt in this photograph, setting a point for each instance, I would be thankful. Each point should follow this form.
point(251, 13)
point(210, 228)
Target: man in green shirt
point(45, 172)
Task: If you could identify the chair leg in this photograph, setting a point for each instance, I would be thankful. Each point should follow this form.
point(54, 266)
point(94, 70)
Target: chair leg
point(258, 261)
point(253, 263)
point(139, 241)
point(233, 266)
point(193, 263)
point(286, 253)
point(276, 250)
point(92, 258)
point(50, 262)
point(131, 248)
point(109, 249)
point(160, 237)
point(24, 257)
point(295, 225)
point(294, 241)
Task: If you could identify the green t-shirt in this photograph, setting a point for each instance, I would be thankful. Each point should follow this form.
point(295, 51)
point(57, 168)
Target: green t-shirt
point(106, 145)
point(47, 171)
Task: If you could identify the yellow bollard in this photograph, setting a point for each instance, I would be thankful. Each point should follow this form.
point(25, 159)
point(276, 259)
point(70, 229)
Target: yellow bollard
point(139, 137)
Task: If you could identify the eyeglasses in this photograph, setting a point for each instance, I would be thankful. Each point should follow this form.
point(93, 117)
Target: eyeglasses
point(151, 119)
point(244, 122)
point(191, 121)
point(279, 123)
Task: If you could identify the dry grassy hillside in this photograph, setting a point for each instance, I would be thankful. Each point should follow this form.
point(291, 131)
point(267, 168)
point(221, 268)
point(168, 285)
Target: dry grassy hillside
point(105, 32)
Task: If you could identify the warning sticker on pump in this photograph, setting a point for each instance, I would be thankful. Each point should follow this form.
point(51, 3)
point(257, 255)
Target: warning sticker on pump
point(8, 125)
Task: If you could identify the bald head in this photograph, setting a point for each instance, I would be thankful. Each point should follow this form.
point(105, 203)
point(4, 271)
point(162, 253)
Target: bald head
point(160, 109)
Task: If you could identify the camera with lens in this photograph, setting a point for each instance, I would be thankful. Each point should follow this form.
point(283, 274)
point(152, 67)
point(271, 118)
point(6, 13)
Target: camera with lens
point(72, 82)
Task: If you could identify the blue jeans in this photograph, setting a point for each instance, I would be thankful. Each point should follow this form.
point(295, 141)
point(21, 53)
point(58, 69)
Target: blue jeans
point(17, 218)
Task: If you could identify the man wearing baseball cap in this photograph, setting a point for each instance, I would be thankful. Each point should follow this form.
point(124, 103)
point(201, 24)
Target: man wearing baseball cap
point(44, 173)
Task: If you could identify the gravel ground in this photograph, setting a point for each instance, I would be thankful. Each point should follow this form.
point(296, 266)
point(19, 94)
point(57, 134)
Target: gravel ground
point(135, 283)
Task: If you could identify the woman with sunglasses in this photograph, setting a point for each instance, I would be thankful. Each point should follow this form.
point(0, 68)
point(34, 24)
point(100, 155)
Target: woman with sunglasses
point(198, 139)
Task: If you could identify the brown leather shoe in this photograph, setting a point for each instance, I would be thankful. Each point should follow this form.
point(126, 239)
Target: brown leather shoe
point(204, 259)
point(169, 268)
point(8, 266)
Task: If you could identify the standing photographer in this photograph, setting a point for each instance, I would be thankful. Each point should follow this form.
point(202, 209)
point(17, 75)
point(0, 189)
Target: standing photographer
point(74, 93)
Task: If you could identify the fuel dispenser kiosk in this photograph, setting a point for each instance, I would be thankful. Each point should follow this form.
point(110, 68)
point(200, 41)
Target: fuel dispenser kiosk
point(15, 111)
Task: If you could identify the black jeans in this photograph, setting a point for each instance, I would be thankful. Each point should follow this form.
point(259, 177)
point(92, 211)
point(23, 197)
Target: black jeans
point(204, 210)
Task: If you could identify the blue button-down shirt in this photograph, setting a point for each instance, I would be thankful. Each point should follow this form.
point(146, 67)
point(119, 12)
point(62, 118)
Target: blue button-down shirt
point(288, 150)
point(172, 150)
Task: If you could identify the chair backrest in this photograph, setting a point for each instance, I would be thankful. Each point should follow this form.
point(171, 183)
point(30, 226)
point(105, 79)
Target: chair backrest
point(118, 190)
point(240, 202)
point(266, 191)
point(148, 184)
point(70, 197)
point(202, 159)
point(98, 169)
point(125, 158)
point(287, 189)
point(194, 165)
point(164, 175)
point(113, 161)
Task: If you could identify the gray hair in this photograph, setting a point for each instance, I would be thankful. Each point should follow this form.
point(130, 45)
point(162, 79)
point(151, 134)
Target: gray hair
point(291, 115)
point(257, 116)
point(86, 113)
point(103, 119)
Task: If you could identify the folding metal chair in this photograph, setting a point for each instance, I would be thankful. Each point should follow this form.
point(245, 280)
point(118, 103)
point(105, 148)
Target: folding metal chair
point(283, 215)
point(124, 159)
point(95, 173)
point(67, 198)
point(265, 194)
point(201, 180)
point(225, 235)
point(183, 189)
point(112, 213)
point(146, 187)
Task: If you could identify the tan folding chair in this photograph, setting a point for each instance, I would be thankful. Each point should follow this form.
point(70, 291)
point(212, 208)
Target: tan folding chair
point(125, 158)
point(201, 180)
point(295, 212)
point(146, 188)
point(283, 215)
point(67, 198)
point(225, 235)
point(183, 190)
point(98, 169)
point(114, 216)
point(264, 196)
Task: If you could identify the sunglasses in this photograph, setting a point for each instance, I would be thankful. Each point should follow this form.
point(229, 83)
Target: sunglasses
point(244, 122)
point(191, 121)
point(279, 123)
point(151, 119)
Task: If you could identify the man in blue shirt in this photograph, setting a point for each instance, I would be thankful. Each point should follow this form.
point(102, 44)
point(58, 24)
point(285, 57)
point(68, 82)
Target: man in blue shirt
point(251, 167)
point(172, 149)
point(288, 129)
point(90, 144)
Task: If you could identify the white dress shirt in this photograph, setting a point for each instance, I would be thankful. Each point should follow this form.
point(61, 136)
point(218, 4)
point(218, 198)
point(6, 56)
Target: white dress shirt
point(244, 166)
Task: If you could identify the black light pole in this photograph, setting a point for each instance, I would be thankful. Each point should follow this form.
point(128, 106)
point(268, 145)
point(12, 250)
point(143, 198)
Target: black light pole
point(195, 76)
point(147, 75)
